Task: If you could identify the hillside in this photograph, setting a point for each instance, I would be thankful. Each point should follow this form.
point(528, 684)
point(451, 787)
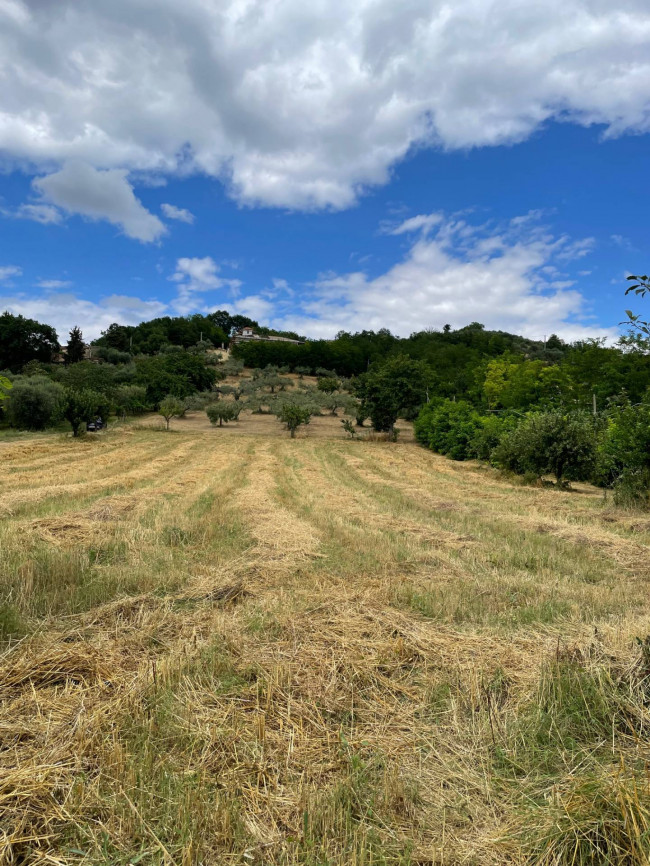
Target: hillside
point(238, 649)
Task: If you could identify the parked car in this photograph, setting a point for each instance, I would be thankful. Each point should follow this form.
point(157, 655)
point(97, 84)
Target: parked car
point(94, 426)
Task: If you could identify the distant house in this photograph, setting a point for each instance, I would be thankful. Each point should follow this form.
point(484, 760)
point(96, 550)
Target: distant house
point(245, 335)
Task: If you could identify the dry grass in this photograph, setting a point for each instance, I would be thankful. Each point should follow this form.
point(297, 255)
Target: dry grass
point(223, 646)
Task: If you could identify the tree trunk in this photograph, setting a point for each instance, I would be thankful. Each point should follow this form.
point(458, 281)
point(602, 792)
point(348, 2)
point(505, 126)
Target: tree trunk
point(293, 432)
point(220, 422)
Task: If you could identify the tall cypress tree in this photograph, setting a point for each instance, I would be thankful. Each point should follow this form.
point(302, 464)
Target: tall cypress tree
point(76, 348)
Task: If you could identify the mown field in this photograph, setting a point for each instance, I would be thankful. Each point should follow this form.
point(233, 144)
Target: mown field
point(245, 649)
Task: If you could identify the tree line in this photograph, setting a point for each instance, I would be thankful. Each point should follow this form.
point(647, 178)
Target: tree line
point(572, 410)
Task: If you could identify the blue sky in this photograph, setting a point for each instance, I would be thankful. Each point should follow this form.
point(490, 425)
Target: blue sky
point(399, 165)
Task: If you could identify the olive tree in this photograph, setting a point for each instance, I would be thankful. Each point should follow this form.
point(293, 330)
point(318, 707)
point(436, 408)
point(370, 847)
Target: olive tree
point(171, 407)
point(293, 416)
point(222, 412)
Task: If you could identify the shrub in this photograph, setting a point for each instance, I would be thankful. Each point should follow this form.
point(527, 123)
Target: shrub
point(35, 403)
point(555, 443)
point(489, 433)
point(625, 445)
point(449, 428)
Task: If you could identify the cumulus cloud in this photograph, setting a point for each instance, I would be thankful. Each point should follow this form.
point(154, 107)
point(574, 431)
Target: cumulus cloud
point(79, 188)
point(177, 213)
point(506, 277)
point(304, 105)
point(64, 310)
point(196, 275)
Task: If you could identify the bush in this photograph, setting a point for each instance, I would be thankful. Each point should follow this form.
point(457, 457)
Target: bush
point(624, 452)
point(448, 428)
point(35, 403)
point(551, 443)
point(489, 434)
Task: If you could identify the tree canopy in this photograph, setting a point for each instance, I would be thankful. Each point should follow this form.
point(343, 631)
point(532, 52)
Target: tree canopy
point(23, 340)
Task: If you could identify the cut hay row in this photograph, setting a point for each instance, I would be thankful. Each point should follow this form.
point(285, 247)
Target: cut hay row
point(313, 652)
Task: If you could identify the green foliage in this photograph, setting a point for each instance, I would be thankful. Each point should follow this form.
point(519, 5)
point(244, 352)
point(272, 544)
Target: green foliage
point(35, 403)
point(624, 455)
point(81, 406)
point(626, 442)
point(110, 356)
point(171, 407)
point(489, 433)
point(5, 385)
point(553, 442)
point(148, 338)
point(76, 348)
point(87, 375)
point(333, 402)
point(396, 388)
point(222, 412)
point(232, 367)
point(349, 428)
point(23, 340)
point(130, 400)
point(178, 374)
point(513, 382)
point(293, 415)
point(328, 384)
point(449, 428)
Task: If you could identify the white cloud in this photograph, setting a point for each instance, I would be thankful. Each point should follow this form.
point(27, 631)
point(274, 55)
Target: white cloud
point(304, 105)
point(422, 222)
point(64, 310)
point(503, 276)
point(199, 274)
point(9, 271)
point(54, 284)
point(196, 275)
point(177, 213)
point(40, 213)
point(100, 195)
